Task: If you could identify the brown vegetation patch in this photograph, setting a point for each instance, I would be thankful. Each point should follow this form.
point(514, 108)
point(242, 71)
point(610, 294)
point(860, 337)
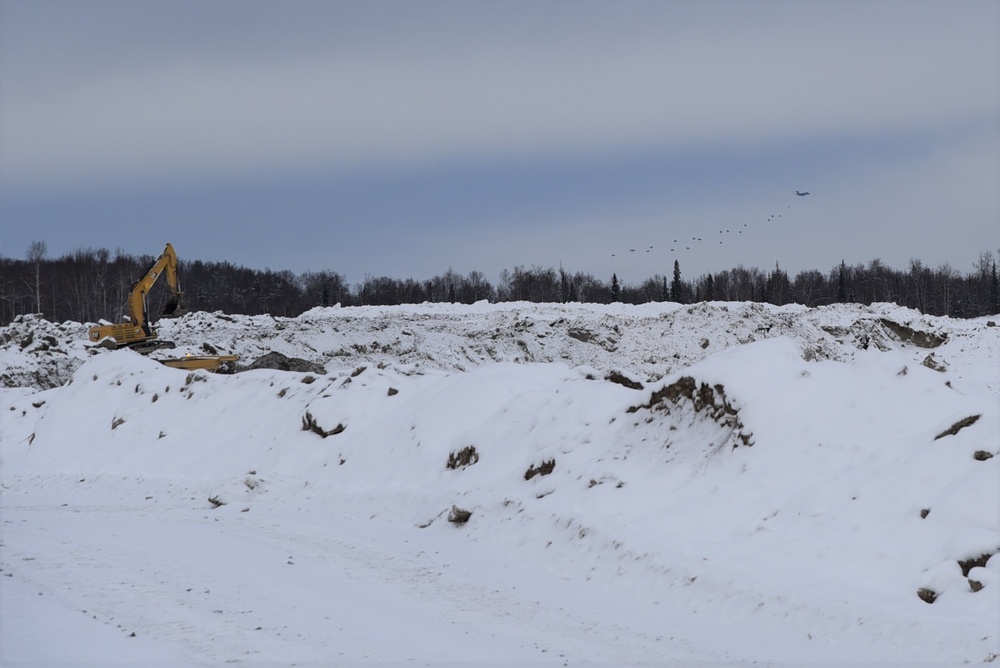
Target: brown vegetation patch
point(704, 397)
point(979, 561)
point(545, 468)
point(309, 424)
point(958, 426)
point(620, 379)
point(467, 456)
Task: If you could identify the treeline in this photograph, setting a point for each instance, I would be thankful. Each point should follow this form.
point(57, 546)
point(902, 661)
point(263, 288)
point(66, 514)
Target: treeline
point(89, 285)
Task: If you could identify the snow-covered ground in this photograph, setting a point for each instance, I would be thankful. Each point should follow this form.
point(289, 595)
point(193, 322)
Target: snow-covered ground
point(715, 484)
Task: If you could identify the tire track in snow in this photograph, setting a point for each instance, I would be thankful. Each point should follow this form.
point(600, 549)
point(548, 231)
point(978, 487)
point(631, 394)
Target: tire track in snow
point(237, 596)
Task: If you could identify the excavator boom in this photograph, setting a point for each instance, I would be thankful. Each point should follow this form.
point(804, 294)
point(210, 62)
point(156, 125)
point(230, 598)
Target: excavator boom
point(138, 330)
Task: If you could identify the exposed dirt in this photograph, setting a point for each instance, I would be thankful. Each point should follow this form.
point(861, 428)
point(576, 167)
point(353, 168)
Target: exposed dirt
point(703, 398)
point(919, 338)
point(544, 468)
point(276, 360)
point(958, 426)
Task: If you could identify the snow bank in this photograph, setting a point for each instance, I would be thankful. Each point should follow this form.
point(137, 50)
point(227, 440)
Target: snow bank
point(547, 484)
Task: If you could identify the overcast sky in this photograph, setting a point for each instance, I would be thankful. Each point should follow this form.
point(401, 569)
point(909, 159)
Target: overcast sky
point(401, 138)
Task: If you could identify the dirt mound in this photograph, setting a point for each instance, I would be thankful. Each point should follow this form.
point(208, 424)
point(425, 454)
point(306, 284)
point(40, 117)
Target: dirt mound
point(275, 360)
point(644, 343)
point(40, 354)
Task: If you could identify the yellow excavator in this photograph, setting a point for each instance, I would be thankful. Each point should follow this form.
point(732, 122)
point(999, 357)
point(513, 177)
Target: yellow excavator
point(137, 330)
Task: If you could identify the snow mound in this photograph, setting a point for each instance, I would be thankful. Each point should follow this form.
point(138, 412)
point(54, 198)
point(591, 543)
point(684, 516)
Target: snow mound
point(647, 341)
point(727, 483)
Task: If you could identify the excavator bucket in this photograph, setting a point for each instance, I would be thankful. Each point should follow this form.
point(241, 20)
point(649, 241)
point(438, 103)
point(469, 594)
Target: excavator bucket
point(173, 309)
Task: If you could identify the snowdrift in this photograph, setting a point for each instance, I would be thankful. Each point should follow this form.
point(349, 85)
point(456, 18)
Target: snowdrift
point(544, 484)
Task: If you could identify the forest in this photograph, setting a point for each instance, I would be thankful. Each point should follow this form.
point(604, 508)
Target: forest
point(92, 284)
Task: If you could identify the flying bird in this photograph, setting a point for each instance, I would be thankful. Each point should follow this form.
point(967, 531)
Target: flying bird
point(801, 194)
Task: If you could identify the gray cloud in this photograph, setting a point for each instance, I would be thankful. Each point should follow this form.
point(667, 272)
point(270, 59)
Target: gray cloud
point(470, 84)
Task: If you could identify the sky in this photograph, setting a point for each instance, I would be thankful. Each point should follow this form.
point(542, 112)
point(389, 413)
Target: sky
point(401, 139)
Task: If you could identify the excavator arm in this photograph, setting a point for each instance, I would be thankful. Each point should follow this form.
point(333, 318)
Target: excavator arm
point(138, 329)
point(137, 307)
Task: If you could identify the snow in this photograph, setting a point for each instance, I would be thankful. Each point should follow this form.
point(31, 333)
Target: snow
point(777, 492)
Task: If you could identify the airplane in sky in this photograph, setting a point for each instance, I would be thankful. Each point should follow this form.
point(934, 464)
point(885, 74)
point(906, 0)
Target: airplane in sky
point(801, 194)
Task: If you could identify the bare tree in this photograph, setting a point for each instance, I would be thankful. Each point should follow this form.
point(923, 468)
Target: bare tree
point(35, 256)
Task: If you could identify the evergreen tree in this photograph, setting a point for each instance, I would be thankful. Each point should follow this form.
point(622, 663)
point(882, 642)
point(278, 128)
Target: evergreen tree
point(994, 292)
point(676, 287)
point(616, 289)
point(842, 283)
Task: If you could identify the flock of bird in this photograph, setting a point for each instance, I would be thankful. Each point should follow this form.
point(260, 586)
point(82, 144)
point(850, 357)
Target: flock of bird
point(679, 245)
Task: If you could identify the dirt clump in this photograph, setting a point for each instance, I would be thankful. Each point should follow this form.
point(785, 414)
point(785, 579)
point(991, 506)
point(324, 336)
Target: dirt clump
point(710, 399)
point(467, 456)
point(919, 338)
point(544, 468)
point(974, 562)
point(309, 424)
point(459, 515)
point(958, 426)
point(280, 362)
point(623, 380)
